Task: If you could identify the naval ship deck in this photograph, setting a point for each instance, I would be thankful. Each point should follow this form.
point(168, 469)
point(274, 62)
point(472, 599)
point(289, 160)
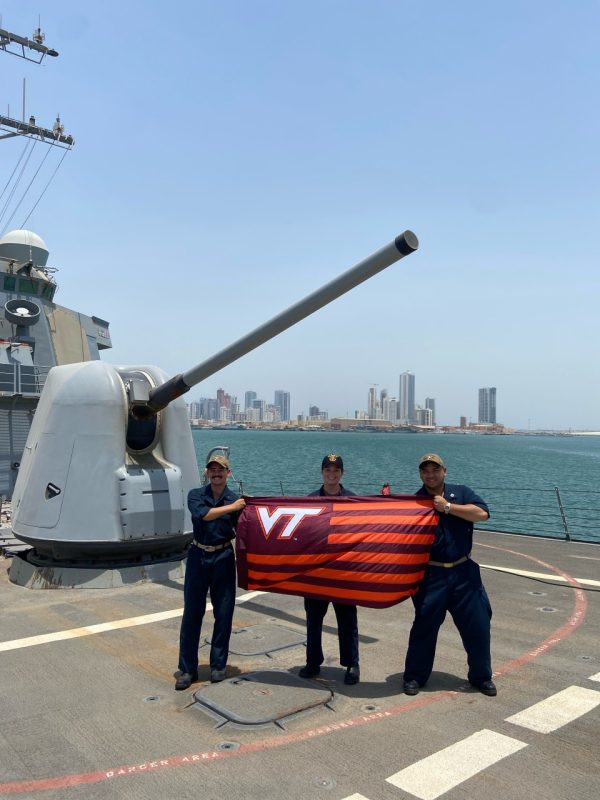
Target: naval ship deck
point(89, 708)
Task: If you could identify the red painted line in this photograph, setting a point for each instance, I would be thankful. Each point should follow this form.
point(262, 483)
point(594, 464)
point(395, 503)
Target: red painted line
point(65, 781)
point(575, 620)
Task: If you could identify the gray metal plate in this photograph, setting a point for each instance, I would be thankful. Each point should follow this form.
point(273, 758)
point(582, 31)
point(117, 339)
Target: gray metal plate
point(260, 698)
point(262, 639)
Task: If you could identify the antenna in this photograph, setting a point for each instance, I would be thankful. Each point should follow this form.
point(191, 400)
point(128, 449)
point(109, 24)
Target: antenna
point(54, 136)
point(17, 46)
point(20, 45)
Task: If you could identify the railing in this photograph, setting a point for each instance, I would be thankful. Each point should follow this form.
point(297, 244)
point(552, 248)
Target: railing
point(20, 379)
point(568, 514)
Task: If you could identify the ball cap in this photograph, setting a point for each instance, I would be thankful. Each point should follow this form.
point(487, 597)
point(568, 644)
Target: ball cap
point(433, 457)
point(221, 460)
point(332, 460)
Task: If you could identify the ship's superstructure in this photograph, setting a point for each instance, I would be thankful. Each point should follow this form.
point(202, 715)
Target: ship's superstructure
point(35, 335)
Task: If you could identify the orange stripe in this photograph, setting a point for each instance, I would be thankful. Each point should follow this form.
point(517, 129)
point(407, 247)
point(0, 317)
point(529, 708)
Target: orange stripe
point(383, 558)
point(391, 537)
point(424, 506)
point(382, 519)
point(353, 576)
point(334, 592)
point(357, 556)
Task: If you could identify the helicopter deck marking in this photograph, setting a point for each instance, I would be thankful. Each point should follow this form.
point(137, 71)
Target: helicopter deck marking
point(61, 781)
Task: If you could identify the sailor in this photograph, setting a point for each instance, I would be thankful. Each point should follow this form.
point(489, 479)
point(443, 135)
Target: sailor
point(332, 469)
point(210, 568)
point(452, 583)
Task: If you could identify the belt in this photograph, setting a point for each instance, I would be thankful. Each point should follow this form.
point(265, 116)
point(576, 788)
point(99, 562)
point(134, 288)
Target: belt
point(448, 564)
point(211, 548)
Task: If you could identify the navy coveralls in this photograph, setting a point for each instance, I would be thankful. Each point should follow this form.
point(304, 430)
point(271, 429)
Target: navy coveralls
point(457, 589)
point(346, 615)
point(208, 572)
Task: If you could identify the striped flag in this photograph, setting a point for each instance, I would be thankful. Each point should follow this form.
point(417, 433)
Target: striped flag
point(368, 551)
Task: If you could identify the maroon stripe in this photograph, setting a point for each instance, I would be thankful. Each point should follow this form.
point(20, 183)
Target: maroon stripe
point(355, 566)
point(378, 547)
point(391, 569)
point(404, 594)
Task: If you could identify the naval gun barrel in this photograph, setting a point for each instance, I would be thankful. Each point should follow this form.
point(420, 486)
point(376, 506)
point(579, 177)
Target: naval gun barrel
point(159, 397)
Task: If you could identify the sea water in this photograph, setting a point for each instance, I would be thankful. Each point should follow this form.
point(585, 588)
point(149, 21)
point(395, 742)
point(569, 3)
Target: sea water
point(517, 475)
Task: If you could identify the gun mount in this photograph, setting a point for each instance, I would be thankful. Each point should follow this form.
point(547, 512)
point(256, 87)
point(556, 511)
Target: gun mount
point(109, 459)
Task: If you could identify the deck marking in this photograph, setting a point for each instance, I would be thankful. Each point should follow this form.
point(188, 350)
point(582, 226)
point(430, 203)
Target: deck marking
point(541, 575)
point(575, 620)
point(557, 710)
point(103, 627)
point(127, 770)
point(587, 558)
point(438, 773)
point(355, 796)
point(595, 677)
point(60, 781)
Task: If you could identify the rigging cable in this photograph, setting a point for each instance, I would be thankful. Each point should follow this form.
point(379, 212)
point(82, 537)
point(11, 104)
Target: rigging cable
point(27, 144)
point(14, 189)
point(45, 187)
point(24, 195)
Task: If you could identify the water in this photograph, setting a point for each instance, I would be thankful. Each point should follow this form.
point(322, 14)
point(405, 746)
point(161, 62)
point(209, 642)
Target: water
point(516, 475)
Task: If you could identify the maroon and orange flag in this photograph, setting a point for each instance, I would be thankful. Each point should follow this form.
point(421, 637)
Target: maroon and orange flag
point(367, 551)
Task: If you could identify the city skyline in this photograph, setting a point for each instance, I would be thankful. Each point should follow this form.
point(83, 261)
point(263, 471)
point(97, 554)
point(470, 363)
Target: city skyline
point(379, 406)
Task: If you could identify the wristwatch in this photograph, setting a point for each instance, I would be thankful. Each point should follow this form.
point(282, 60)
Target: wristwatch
point(447, 508)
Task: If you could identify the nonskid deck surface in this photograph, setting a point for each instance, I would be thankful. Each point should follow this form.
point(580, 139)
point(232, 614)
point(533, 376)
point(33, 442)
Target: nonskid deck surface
point(89, 707)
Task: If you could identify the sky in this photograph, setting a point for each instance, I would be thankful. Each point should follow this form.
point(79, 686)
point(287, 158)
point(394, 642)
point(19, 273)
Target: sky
point(233, 156)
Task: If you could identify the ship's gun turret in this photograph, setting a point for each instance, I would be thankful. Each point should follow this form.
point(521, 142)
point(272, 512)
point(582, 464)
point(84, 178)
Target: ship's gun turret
point(110, 459)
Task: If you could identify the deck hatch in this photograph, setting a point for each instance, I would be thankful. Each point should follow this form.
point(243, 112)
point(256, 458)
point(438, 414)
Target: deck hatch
point(264, 697)
point(258, 640)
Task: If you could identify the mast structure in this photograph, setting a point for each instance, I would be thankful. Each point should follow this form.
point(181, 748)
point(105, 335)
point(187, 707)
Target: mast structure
point(19, 46)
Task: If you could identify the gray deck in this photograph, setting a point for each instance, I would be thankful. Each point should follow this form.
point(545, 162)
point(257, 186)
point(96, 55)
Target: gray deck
point(91, 712)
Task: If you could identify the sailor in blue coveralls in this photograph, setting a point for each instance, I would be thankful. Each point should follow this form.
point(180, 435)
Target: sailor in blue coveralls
point(210, 568)
point(452, 583)
point(332, 469)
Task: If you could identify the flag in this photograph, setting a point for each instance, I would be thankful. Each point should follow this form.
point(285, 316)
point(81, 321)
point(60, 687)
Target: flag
point(367, 551)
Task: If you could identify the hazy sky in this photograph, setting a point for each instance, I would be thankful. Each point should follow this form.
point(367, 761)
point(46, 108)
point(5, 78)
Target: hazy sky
point(232, 156)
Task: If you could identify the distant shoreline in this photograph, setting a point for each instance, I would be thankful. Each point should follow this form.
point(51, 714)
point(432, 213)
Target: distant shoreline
point(394, 431)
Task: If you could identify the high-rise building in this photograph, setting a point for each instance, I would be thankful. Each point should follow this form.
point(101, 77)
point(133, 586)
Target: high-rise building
point(424, 416)
point(208, 408)
point(372, 404)
point(314, 413)
point(261, 407)
point(249, 398)
point(194, 409)
point(282, 402)
point(406, 398)
point(389, 409)
point(223, 399)
point(487, 405)
point(430, 404)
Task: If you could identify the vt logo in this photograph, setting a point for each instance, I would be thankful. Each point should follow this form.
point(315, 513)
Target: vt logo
point(296, 514)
